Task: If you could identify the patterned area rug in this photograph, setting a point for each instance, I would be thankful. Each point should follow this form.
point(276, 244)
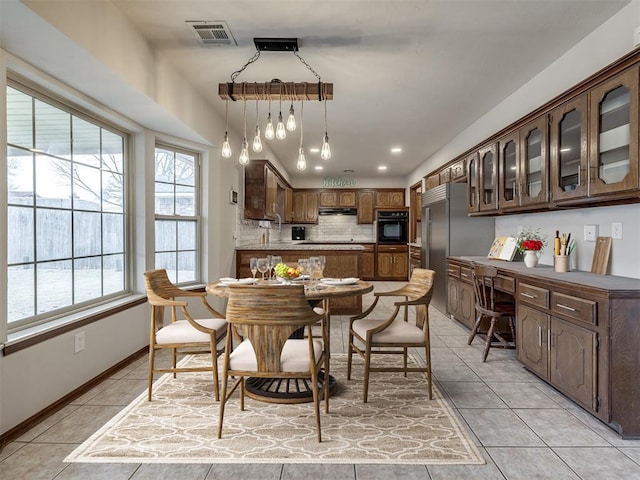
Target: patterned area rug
point(398, 425)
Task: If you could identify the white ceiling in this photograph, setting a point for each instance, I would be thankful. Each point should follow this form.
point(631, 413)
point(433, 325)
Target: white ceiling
point(407, 73)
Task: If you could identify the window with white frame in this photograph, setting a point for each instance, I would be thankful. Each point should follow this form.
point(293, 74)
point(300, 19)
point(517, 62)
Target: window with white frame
point(177, 223)
point(65, 209)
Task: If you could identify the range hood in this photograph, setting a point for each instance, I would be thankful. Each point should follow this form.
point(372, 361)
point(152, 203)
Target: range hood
point(336, 211)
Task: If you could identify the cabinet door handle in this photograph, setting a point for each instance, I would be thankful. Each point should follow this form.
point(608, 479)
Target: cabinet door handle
point(539, 335)
point(566, 307)
point(527, 295)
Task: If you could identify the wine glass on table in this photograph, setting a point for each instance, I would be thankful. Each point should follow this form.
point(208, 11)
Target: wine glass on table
point(263, 266)
point(269, 265)
point(323, 261)
point(314, 266)
point(303, 266)
point(253, 266)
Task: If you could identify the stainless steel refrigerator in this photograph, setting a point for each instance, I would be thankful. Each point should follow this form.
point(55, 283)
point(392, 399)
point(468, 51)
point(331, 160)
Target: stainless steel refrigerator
point(447, 230)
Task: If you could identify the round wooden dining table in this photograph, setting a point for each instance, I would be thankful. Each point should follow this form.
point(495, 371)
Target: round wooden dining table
point(297, 391)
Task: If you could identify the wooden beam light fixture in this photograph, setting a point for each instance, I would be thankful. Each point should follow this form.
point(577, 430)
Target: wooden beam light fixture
point(276, 90)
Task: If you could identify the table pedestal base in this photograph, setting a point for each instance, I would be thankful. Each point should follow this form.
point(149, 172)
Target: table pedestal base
point(287, 390)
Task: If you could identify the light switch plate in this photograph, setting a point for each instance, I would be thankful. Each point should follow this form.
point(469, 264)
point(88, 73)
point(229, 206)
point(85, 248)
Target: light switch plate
point(590, 233)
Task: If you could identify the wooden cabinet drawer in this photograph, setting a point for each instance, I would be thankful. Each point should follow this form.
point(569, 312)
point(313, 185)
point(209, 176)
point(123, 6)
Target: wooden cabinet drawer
point(505, 284)
point(453, 270)
point(533, 295)
point(466, 274)
point(574, 307)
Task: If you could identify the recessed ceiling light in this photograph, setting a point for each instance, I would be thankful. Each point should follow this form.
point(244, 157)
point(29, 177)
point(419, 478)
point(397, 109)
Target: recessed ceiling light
point(314, 150)
point(318, 167)
point(382, 167)
point(396, 149)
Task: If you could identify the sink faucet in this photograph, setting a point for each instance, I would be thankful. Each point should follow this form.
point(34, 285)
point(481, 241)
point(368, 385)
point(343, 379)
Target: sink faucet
point(279, 226)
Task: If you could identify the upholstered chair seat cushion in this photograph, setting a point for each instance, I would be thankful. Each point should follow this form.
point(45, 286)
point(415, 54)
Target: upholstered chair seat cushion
point(181, 331)
point(398, 332)
point(294, 357)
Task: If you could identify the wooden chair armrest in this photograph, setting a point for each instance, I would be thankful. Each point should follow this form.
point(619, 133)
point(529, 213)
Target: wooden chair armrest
point(366, 312)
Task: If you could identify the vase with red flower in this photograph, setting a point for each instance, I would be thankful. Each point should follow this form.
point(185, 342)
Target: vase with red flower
point(530, 244)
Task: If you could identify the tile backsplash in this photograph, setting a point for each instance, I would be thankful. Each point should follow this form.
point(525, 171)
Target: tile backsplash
point(330, 228)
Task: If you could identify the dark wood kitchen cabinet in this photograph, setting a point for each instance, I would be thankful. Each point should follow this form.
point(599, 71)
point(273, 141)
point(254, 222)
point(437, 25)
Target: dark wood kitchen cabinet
point(613, 127)
point(366, 202)
point(579, 332)
point(305, 206)
point(260, 191)
point(460, 296)
point(338, 198)
point(367, 262)
point(389, 198)
point(393, 262)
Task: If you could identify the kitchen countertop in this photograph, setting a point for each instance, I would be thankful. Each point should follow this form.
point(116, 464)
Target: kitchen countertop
point(302, 245)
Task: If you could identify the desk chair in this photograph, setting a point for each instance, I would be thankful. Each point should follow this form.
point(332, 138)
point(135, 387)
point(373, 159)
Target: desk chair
point(393, 334)
point(188, 336)
point(265, 316)
point(488, 308)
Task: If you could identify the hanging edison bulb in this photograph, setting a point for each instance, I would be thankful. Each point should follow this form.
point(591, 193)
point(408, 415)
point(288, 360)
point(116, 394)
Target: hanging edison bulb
point(325, 153)
point(244, 153)
point(281, 132)
point(257, 141)
point(302, 162)
point(291, 120)
point(269, 131)
point(226, 147)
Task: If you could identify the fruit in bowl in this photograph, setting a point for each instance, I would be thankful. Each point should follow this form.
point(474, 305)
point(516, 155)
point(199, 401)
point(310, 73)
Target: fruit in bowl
point(285, 271)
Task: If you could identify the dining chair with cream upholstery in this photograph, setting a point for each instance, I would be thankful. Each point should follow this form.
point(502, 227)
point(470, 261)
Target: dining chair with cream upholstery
point(187, 335)
point(369, 334)
point(265, 317)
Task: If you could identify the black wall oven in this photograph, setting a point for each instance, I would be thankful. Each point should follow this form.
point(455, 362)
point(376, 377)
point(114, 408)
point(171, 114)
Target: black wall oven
point(392, 227)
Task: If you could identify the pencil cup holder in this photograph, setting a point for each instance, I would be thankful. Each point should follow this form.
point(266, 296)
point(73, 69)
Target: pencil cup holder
point(561, 263)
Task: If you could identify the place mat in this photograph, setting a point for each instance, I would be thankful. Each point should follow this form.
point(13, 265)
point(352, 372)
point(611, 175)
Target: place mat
point(399, 425)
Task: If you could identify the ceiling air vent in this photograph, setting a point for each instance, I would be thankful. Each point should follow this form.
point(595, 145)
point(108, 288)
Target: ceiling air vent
point(213, 33)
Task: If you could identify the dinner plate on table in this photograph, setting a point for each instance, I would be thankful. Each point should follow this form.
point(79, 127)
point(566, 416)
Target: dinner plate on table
point(226, 281)
point(340, 281)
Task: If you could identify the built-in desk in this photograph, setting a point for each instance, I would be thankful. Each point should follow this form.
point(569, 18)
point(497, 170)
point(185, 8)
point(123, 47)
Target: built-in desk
point(578, 331)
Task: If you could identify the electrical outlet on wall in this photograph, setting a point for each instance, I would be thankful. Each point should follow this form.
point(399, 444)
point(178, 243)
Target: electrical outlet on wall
point(616, 230)
point(78, 342)
point(590, 233)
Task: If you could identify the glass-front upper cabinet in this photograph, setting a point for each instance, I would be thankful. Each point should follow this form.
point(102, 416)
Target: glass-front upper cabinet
point(613, 156)
point(473, 201)
point(508, 171)
point(488, 177)
point(533, 162)
point(568, 145)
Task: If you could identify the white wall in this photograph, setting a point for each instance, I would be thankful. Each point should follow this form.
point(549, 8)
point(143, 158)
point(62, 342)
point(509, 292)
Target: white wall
point(624, 260)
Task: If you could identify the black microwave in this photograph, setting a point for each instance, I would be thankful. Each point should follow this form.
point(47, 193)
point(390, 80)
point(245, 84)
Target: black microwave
point(392, 226)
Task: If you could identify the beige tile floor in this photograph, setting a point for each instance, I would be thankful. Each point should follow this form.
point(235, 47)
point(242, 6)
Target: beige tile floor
point(524, 428)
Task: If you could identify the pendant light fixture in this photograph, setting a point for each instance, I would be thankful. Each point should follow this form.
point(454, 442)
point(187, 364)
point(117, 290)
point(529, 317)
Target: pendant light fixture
point(301, 164)
point(244, 153)
point(325, 152)
point(257, 141)
point(226, 147)
point(275, 90)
